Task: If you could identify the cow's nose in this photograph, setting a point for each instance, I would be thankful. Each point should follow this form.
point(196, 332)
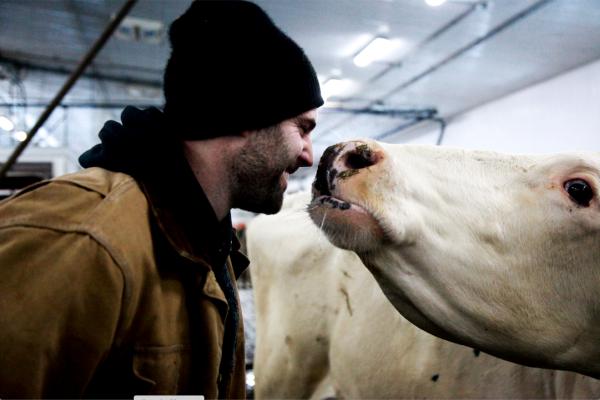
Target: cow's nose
point(325, 174)
point(359, 156)
point(342, 161)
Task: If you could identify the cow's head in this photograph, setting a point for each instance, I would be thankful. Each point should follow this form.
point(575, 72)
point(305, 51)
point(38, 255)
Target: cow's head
point(496, 251)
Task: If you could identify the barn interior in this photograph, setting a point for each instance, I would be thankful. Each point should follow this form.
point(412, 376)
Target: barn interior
point(500, 75)
point(503, 75)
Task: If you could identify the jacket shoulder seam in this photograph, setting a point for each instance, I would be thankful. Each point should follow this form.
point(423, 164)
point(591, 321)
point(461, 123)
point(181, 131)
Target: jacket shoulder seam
point(65, 180)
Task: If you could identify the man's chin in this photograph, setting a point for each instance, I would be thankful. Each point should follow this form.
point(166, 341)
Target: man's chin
point(270, 205)
point(267, 208)
point(273, 204)
point(273, 209)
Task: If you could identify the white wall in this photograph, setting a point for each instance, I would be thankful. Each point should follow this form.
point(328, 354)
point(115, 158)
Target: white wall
point(76, 131)
point(560, 114)
point(63, 160)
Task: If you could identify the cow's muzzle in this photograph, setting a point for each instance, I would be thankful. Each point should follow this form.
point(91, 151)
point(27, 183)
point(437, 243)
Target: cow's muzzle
point(341, 161)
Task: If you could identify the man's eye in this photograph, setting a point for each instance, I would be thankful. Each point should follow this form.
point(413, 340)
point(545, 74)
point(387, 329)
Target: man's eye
point(305, 129)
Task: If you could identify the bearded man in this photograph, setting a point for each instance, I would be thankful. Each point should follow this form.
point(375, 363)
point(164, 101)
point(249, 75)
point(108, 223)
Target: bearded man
point(120, 279)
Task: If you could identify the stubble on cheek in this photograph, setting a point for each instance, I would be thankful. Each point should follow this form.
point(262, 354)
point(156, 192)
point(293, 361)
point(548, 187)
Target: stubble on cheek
point(258, 172)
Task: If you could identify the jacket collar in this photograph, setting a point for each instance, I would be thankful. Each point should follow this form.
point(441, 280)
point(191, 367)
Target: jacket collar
point(187, 219)
point(143, 146)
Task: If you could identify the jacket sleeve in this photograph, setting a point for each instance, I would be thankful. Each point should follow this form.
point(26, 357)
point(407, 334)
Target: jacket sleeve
point(60, 302)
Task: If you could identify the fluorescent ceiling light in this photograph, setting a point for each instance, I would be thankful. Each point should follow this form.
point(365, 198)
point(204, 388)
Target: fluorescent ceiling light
point(250, 380)
point(42, 133)
point(20, 136)
point(377, 49)
point(435, 3)
point(141, 30)
point(45, 139)
point(334, 87)
point(52, 141)
point(6, 124)
point(29, 120)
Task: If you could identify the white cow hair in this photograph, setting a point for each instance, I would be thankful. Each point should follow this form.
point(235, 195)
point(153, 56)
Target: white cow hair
point(325, 329)
point(484, 248)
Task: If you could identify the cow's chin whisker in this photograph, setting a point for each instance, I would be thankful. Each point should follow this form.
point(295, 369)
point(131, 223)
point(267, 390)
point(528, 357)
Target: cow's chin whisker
point(323, 220)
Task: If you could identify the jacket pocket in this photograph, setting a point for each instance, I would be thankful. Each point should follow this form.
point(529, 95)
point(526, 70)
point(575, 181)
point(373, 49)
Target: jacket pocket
point(161, 369)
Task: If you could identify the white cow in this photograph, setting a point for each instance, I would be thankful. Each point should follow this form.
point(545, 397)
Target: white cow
point(325, 328)
point(500, 252)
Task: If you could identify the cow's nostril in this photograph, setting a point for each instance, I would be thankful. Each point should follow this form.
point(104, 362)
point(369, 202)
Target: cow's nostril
point(360, 157)
point(323, 183)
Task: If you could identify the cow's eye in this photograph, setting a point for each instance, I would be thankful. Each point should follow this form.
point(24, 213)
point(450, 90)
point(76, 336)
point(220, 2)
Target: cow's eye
point(579, 191)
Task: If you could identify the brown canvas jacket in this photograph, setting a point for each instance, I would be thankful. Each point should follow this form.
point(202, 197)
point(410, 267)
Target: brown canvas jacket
point(102, 295)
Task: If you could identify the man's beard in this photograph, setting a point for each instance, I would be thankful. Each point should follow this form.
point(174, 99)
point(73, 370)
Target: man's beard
point(262, 195)
point(257, 172)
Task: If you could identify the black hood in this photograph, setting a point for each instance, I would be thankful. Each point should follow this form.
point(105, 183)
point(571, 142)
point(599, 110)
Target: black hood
point(138, 146)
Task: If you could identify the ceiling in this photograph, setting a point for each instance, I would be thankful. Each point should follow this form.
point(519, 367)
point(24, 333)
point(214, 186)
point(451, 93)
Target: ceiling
point(449, 59)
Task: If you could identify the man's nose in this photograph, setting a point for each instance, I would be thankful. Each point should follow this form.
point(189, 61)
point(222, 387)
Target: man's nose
point(307, 153)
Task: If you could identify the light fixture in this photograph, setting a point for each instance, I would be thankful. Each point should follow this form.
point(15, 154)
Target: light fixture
point(30, 120)
point(45, 139)
point(141, 30)
point(250, 380)
point(375, 50)
point(20, 136)
point(333, 87)
point(435, 3)
point(6, 124)
point(42, 133)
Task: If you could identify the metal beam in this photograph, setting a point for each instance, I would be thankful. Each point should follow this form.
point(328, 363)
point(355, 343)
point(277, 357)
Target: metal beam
point(407, 113)
point(496, 30)
point(493, 32)
point(413, 122)
point(18, 63)
point(82, 105)
point(431, 38)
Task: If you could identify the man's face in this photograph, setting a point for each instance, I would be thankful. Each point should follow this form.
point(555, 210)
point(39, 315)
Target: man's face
point(264, 164)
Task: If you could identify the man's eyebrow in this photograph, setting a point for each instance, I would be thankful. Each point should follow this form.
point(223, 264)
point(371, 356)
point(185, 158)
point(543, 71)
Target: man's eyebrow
point(307, 123)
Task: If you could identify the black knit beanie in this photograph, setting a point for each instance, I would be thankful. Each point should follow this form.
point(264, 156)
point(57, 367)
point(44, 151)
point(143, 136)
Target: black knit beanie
point(231, 69)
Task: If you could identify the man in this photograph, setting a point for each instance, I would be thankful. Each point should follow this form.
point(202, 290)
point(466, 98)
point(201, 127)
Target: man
point(120, 279)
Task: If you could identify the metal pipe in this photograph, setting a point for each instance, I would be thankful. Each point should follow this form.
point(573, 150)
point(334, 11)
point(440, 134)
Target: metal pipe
point(385, 112)
point(499, 28)
point(428, 40)
point(439, 32)
point(83, 105)
point(87, 59)
point(399, 128)
point(60, 70)
point(442, 123)
point(504, 25)
point(414, 122)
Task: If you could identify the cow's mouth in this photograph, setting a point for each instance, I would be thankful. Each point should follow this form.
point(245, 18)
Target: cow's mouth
point(336, 203)
point(348, 225)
